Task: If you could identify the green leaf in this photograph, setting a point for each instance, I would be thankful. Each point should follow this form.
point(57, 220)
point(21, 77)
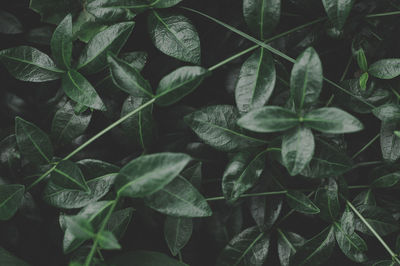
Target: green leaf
point(54, 11)
point(68, 175)
point(352, 245)
point(179, 198)
point(67, 125)
point(265, 211)
point(61, 43)
point(10, 199)
point(94, 56)
point(306, 79)
point(366, 197)
point(262, 16)
point(385, 68)
point(165, 3)
point(269, 119)
point(9, 155)
point(6, 258)
point(250, 247)
point(381, 220)
point(144, 258)
point(256, 81)
point(32, 142)
point(242, 172)
point(119, 222)
point(108, 241)
point(128, 78)
point(177, 232)
point(332, 120)
point(315, 251)
point(390, 143)
point(174, 35)
point(108, 11)
point(387, 112)
point(29, 64)
point(179, 83)
point(363, 81)
point(327, 200)
point(9, 24)
point(300, 202)
point(216, 126)
point(117, 6)
point(297, 149)
point(338, 11)
point(79, 227)
point(386, 181)
point(362, 60)
point(78, 88)
point(92, 168)
point(149, 173)
point(288, 243)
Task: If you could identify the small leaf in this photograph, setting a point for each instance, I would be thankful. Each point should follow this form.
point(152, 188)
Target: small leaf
point(301, 203)
point(92, 168)
point(10, 199)
point(78, 88)
point(306, 79)
point(387, 112)
point(61, 43)
point(365, 197)
point(362, 60)
point(390, 143)
point(108, 11)
point(80, 227)
point(6, 258)
point(297, 149)
point(332, 120)
point(386, 181)
point(149, 173)
point(288, 243)
point(108, 241)
point(363, 81)
point(29, 64)
point(177, 232)
point(68, 175)
point(338, 11)
point(262, 16)
point(179, 198)
point(327, 200)
point(9, 24)
point(385, 68)
point(144, 258)
point(269, 119)
point(94, 56)
point(381, 220)
point(352, 245)
point(179, 83)
point(256, 81)
point(32, 142)
point(174, 35)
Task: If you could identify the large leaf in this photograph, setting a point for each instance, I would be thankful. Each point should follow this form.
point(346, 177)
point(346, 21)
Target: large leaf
point(67, 175)
point(387, 112)
point(381, 220)
point(288, 243)
point(94, 56)
point(315, 251)
point(242, 172)
point(32, 142)
point(179, 83)
point(297, 149)
point(262, 16)
point(390, 143)
point(352, 245)
point(177, 232)
point(332, 120)
point(300, 202)
point(29, 64)
point(306, 79)
point(256, 81)
point(338, 11)
point(144, 258)
point(78, 88)
point(79, 227)
point(216, 126)
point(54, 11)
point(174, 35)
point(385, 68)
point(269, 119)
point(250, 247)
point(10, 200)
point(179, 198)
point(61, 43)
point(327, 200)
point(6, 258)
point(149, 173)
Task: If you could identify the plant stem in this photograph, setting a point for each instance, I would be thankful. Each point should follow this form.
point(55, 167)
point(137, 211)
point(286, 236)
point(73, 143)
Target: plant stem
point(383, 14)
point(366, 164)
point(43, 176)
point(251, 195)
point(366, 146)
point(358, 187)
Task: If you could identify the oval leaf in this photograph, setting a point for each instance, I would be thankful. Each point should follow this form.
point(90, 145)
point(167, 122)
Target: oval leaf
point(390, 143)
point(177, 232)
point(301, 203)
point(387, 112)
point(288, 243)
point(352, 245)
point(338, 11)
point(61, 43)
point(385, 68)
point(386, 181)
point(68, 175)
point(10, 199)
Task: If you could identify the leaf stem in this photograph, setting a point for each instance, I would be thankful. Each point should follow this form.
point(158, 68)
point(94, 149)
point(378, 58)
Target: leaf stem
point(366, 164)
point(251, 195)
point(383, 14)
point(366, 146)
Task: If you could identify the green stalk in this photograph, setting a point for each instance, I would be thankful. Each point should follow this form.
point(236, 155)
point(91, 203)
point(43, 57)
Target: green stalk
point(383, 14)
point(366, 146)
point(251, 195)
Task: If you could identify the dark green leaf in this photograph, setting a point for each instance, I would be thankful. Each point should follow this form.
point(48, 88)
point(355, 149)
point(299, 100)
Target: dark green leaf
point(265, 211)
point(115, 7)
point(9, 154)
point(144, 258)
point(179, 83)
point(108, 241)
point(385, 68)
point(390, 143)
point(288, 243)
point(137, 59)
point(381, 220)
point(362, 60)
point(194, 175)
point(9, 24)
point(119, 222)
point(256, 81)
point(29, 64)
point(327, 200)
point(92, 168)
point(165, 3)
point(6, 258)
point(32, 142)
point(387, 112)
point(108, 11)
point(386, 181)
point(306, 79)
point(53, 11)
point(352, 245)
point(174, 35)
point(149, 173)
point(79, 227)
point(67, 175)
point(332, 120)
point(177, 232)
point(61, 43)
point(365, 197)
point(300, 202)
point(179, 198)
point(94, 56)
point(10, 200)
point(338, 11)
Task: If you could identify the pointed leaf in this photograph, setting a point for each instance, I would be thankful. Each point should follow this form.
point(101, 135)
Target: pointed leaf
point(80, 227)
point(365, 197)
point(265, 211)
point(10, 199)
point(119, 222)
point(362, 60)
point(61, 43)
point(68, 175)
point(338, 11)
point(352, 245)
point(385, 68)
point(390, 143)
point(108, 241)
point(301, 203)
point(165, 3)
point(92, 168)
point(381, 220)
point(177, 232)
point(288, 243)
point(327, 200)
point(363, 81)
point(386, 181)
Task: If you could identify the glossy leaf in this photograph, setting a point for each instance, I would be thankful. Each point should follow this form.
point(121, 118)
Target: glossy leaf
point(149, 173)
point(10, 200)
point(386, 181)
point(119, 222)
point(177, 232)
point(385, 68)
point(6, 258)
point(306, 79)
point(9, 24)
point(242, 172)
point(265, 211)
point(179, 83)
point(61, 43)
point(380, 219)
point(92, 168)
point(297, 149)
point(327, 200)
point(165, 3)
point(269, 119)
point(338, 11)
point(33, 143)
point(144, 258)
point(256, 81)
point(80, 227)
point(179, 198)
point(174, 35)
point(94, 56)
point(29, 64)
point(365, 197)
point(332, 120)
point(363, 81)
point(300, 202)
point(68, 175)
point(362, 60)
point(352, 245)
point(109, 11)
point(54, 11)
point(262, 16)
point(108, 241)
point(216, 126)
point(288, 243)
point(390, 143)
point(387, 112)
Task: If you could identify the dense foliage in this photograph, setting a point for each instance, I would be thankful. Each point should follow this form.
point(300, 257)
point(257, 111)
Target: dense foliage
point(199, 132)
